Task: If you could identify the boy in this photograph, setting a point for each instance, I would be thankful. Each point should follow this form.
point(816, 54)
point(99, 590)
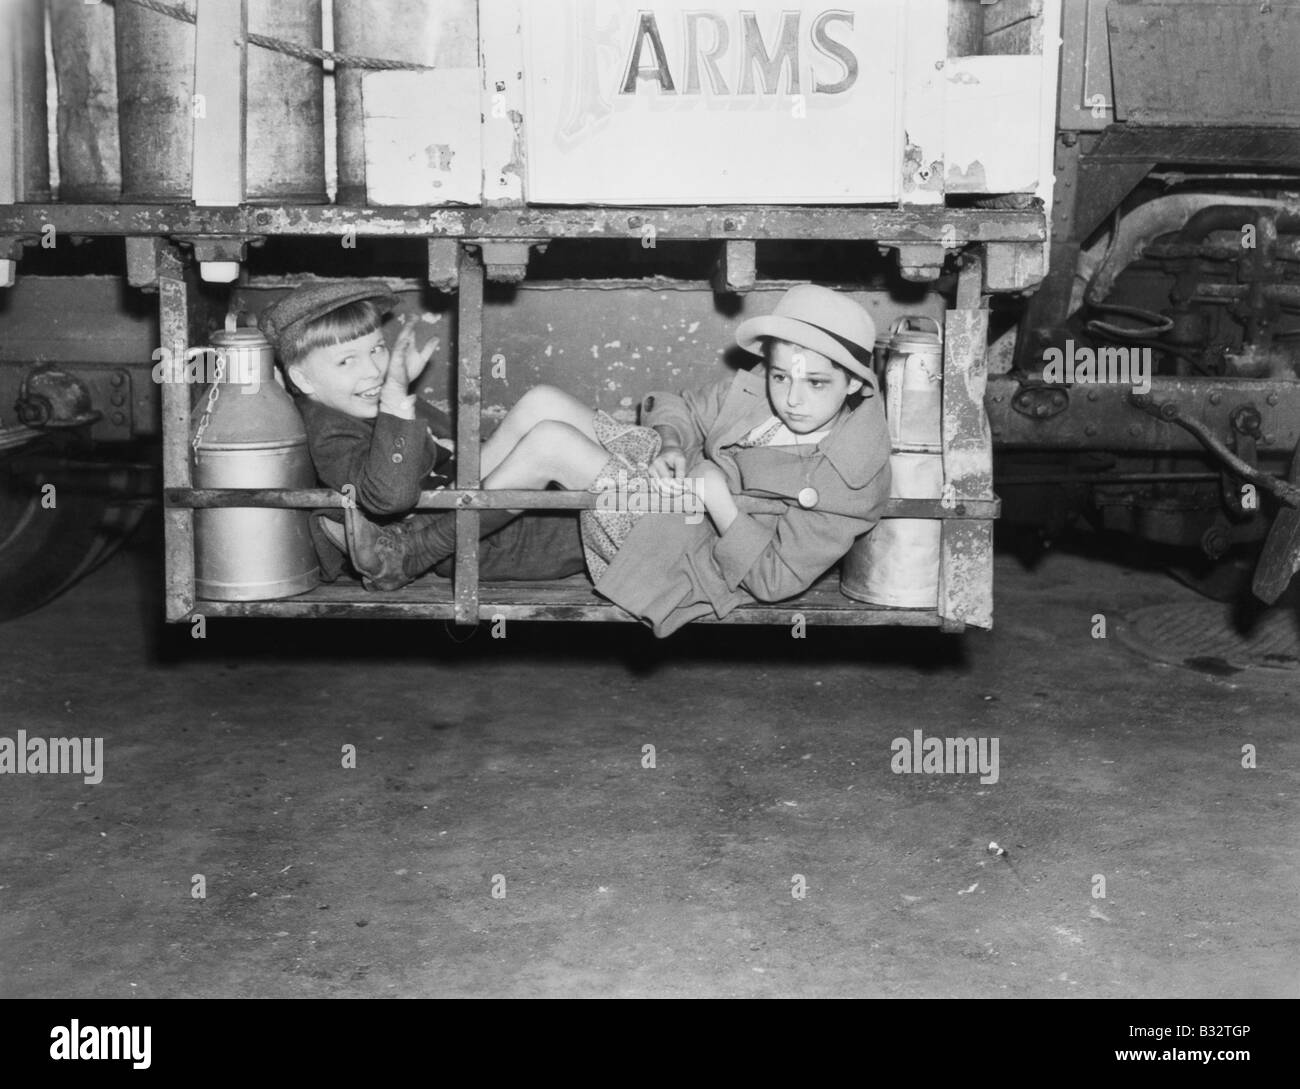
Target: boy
point(366, 429)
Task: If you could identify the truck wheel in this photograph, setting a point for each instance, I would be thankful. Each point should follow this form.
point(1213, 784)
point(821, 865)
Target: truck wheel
point(62, 514)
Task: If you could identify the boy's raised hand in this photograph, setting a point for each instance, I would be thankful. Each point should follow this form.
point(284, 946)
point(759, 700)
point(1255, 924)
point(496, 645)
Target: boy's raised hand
point(405, 362)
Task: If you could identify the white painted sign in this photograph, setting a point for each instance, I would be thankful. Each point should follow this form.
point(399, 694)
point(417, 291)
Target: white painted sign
point(423, 136)
point(674, 103)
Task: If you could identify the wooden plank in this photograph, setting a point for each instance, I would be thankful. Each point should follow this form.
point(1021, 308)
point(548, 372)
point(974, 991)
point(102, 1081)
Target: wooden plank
point(923, 86)
point(469, 375)
point(220, 84)
point(178, 522)
point(423, 137)
point(502, 53)
point(1013, 27)
point(565, 599)
point(966, 548)
point(298, 608)
point(1003, 14)
point(992, 111)
point(965, 27)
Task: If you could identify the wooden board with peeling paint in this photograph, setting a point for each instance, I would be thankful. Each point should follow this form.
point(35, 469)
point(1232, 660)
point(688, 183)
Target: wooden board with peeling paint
point(423, 137)
point(628, 102)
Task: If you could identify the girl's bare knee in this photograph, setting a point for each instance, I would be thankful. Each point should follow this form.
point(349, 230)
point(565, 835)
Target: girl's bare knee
point(540, 399)
point(552, 434)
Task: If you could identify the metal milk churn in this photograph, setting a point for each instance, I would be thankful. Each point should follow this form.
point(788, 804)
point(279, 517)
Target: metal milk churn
point(247, 433)
point(897, 563)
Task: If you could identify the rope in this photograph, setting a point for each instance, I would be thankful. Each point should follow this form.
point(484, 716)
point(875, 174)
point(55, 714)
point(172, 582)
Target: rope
point(279, 45)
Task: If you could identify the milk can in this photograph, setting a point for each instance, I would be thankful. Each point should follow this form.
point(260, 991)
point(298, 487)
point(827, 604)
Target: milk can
point(247, 433)
point(284, 104)
point(90, 159)
point(897, 563)
point(22, 68)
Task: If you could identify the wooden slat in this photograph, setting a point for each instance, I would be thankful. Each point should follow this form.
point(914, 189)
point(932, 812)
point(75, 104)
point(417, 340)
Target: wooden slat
point(501, 43)
point(220, 70)
point(567, 599)
point(178, 523)
point(924, 48)
point(469, 373)
point(966, 549)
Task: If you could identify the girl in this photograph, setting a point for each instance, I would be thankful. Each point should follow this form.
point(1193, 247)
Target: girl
point(788, 471)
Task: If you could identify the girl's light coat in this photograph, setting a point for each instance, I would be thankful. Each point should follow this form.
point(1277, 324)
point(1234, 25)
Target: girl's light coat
point(669, 572)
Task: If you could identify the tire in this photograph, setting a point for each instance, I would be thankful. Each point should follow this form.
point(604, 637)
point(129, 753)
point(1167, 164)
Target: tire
point(51, 538)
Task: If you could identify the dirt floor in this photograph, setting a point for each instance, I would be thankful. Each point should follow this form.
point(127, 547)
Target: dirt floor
point(515, 766)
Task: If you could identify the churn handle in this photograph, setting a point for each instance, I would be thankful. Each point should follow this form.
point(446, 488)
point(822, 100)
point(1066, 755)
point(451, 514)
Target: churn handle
point(900, 322)
point(232, 318)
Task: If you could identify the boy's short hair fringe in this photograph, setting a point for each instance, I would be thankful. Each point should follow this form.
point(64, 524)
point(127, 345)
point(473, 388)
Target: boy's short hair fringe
point(348, 322)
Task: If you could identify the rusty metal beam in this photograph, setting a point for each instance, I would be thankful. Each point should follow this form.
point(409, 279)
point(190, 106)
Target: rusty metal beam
point(950, 227)
point(458, 499)
point(966, 548)
point(1239, 147)
point(178, 523)
point(469, 374)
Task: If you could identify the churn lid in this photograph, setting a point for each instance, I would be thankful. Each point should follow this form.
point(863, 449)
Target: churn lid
point(903, 339)
point(252, 409)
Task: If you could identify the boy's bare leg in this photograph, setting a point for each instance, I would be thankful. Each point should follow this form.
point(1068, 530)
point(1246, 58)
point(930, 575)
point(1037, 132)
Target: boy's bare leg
point(551, 452)
point(538, 404)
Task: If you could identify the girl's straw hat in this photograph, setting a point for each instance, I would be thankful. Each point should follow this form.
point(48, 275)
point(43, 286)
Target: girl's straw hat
point(820, 319)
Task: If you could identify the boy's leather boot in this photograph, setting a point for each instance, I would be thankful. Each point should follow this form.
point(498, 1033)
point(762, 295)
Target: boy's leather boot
point(382, 554)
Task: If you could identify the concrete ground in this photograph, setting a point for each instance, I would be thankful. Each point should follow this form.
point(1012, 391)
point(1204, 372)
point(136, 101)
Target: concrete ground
point(516, 766)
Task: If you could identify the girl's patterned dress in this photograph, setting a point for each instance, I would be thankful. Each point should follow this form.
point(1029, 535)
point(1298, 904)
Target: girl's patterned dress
point(631, 449)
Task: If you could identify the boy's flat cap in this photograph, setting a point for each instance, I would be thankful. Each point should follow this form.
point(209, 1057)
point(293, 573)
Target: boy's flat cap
point(312, 301)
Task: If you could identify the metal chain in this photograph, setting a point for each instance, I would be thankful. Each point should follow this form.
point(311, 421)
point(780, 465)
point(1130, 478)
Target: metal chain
point(279, 45)
point(213, 394)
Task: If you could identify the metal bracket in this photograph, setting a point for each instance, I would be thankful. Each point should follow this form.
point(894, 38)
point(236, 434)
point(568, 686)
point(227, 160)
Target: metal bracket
point(507, 262)
point(737, 267)
point(11, 252)
point(921, 262)
point(142, 261)
point(444, 264)
point(219, 256)
point(1014, 266)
